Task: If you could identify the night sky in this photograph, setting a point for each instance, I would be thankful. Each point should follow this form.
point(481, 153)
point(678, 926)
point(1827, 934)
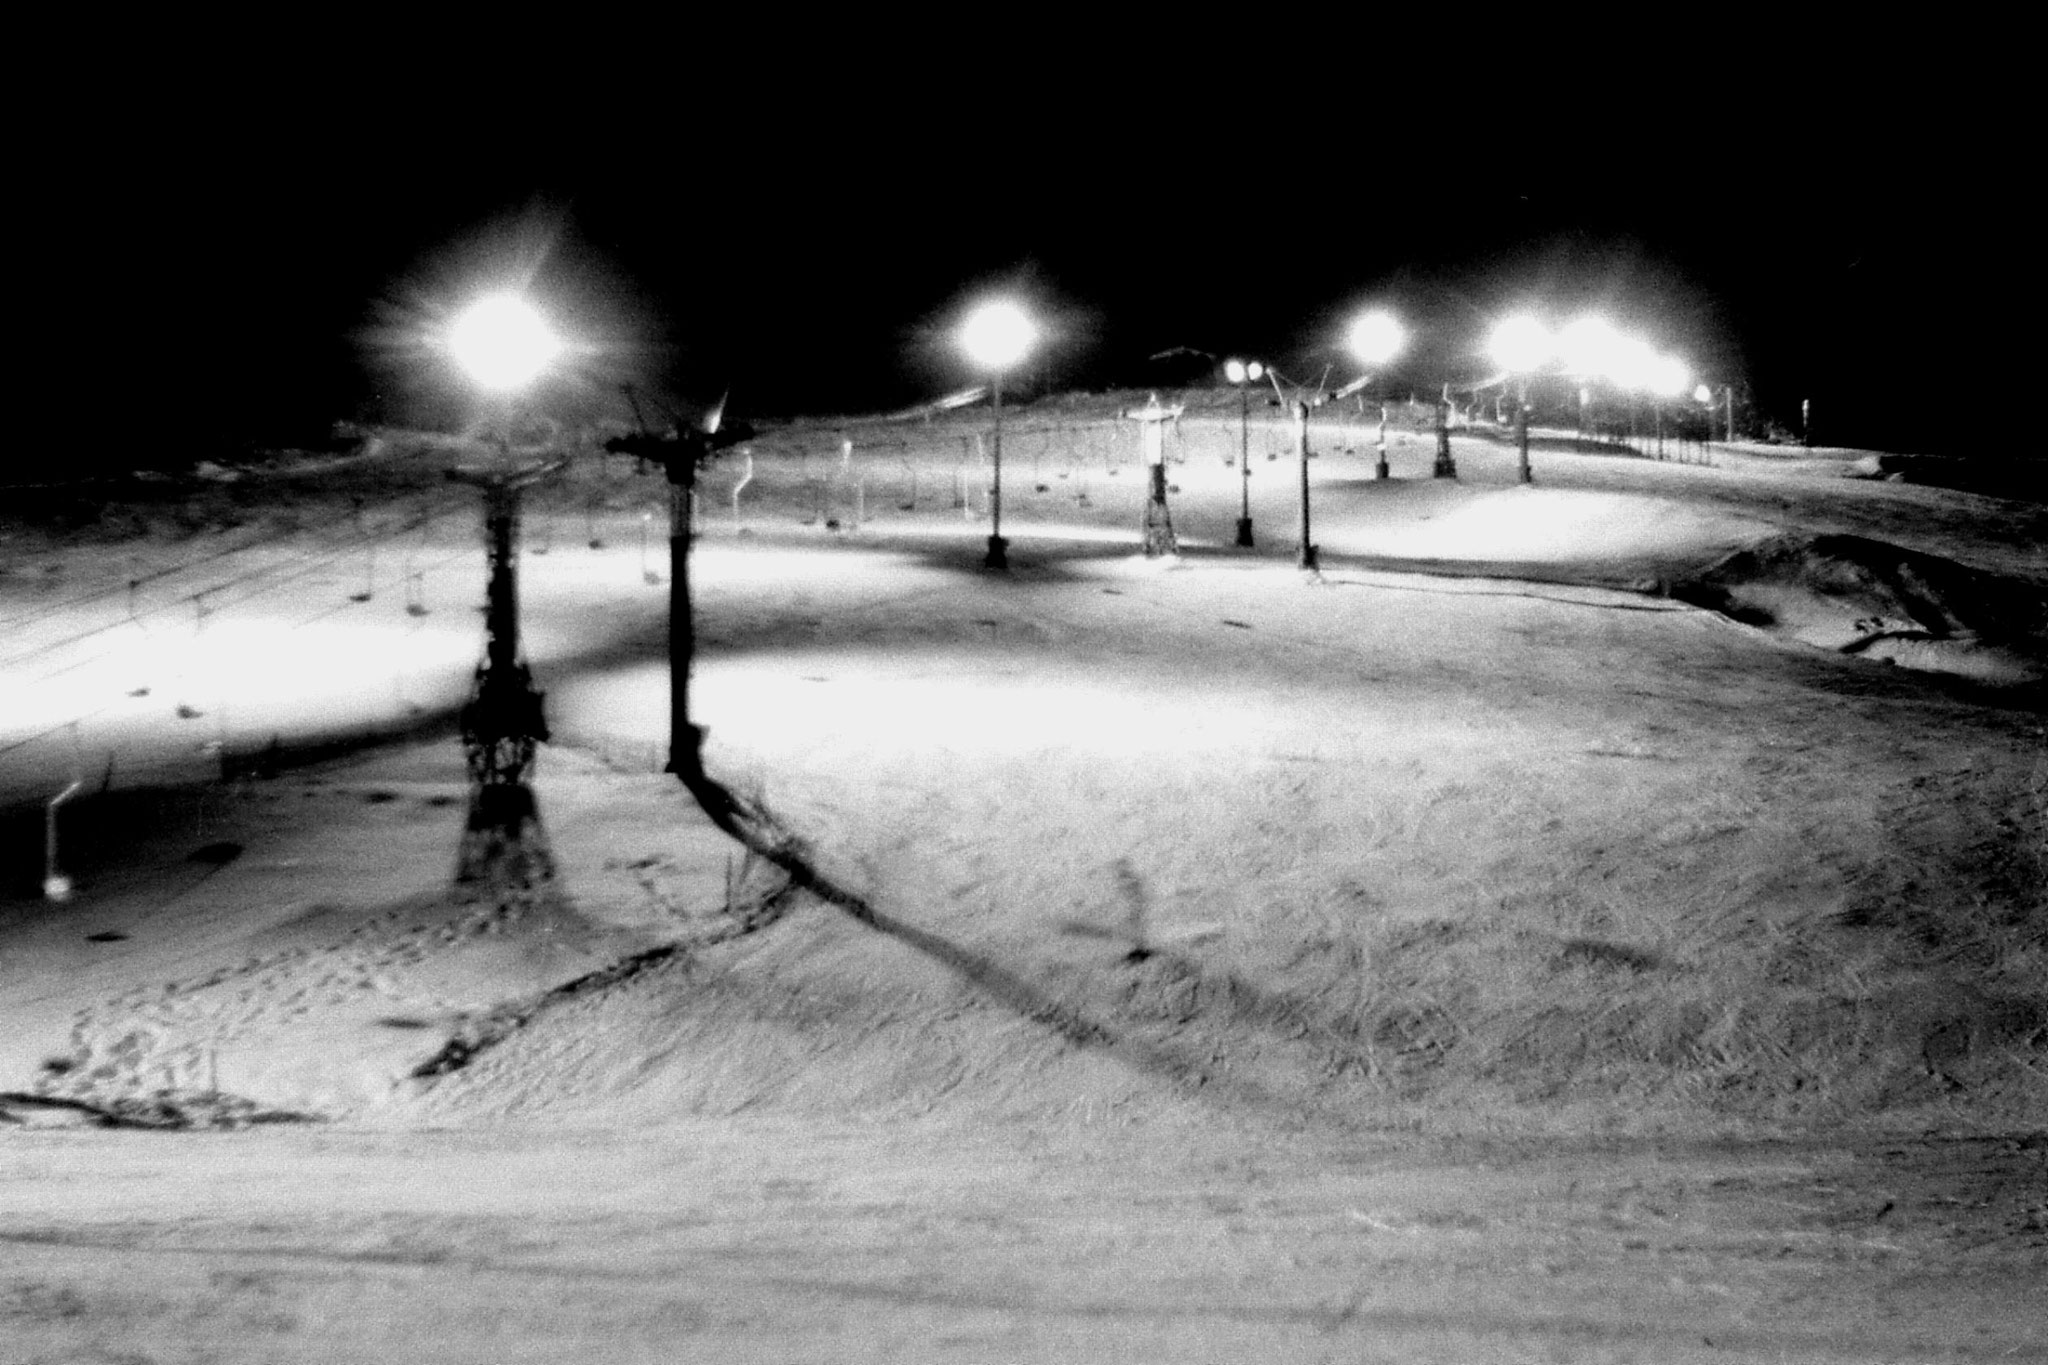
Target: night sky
point(236, 267)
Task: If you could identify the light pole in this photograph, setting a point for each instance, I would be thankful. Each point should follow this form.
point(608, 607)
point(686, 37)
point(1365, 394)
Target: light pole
point(1666, 377)
point(503, 344)
point(1243, 373)
point(1308, 545)
point(1519, 345)
point(1445, 467)
point(1375, 338)
point(996, 336)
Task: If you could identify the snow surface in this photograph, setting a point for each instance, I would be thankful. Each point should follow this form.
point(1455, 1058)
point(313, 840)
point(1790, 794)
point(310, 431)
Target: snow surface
point(1478, 831)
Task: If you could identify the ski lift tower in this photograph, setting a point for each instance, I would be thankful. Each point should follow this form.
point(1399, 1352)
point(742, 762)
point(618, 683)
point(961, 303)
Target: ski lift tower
point(1158, 524)
point(681, 453)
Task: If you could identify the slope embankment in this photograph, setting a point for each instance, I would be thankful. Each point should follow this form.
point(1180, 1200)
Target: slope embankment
point(1879, 601)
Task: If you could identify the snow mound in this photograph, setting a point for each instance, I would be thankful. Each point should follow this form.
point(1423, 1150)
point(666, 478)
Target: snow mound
point(1877, 600)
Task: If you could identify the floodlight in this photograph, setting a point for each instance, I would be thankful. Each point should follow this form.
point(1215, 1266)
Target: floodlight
point(1590, 347)
point(1376, 337)
point(1520, 344)
point(502, 342)
point(1667, 376)
point(1255, 371)
point(997, 335)
point(1235, 371)
point(1634, 365)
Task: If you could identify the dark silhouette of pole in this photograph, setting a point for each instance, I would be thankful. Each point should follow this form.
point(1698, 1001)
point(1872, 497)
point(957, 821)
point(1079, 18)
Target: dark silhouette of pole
point(1308, 549)
point(1380, 469)
point(685, 739)
point(1522, 428)
point(998, 548)
point(1244, 464)
point(504, 719)
point(1446, 468)
point(680, 455)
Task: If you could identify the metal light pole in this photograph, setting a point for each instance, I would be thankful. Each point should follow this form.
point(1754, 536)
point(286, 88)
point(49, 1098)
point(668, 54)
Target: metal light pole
point(1308, 549)
point(504, 718)
point(1242, 373)
point(998, 556)
point(996, 337)
point(1522, 428)
point(503, 344)
point(1375, 338)
point(1446, 467)
point(1519, 345)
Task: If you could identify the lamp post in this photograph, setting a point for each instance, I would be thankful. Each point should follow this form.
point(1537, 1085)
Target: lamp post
point(996, 336)
point(1666, 377)
point(1375, 338)
point(1519, 345)
point(1308, 545)
point(1445, 467)
point(502, 343)
point(1243, 373)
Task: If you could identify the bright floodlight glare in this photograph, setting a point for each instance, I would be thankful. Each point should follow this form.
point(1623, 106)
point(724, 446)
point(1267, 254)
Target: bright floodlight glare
point(1376, 337)
point(998, 335)
point(1235, 372)
point(1255, 371)
point(1591, 348)
point(1668, 376)
point(1702, 394)
point(1635, 365)
point(1520, 344)
point(502, 342)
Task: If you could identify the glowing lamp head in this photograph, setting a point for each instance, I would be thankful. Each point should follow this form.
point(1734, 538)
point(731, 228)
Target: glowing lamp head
point(1591, 348)
point(1668, 376)
point(1702, 394)
point(1238, 371)
point(502, 342)
point(998, 335)
point(1520, 344)
point(1376, 337)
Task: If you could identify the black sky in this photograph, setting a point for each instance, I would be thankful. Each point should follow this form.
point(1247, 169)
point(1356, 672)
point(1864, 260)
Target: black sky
point(221, 264)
